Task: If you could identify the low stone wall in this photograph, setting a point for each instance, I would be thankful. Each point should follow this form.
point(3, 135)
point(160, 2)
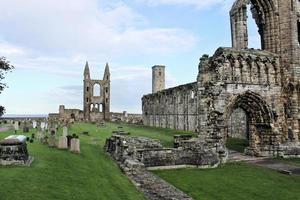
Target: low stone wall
point(151, 153)
point(134, 154)
point(127, 118)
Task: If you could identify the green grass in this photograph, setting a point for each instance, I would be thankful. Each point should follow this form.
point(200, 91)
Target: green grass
point(234, 181)
point(236, 144)
point(92, 175)
point(164, 135)
point(59, 174)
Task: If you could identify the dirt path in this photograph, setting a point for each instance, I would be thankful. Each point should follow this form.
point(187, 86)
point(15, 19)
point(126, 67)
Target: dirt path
point(264, 162)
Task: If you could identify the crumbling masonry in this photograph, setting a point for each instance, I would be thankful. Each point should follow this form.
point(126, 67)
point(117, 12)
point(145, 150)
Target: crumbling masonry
point(264, 83)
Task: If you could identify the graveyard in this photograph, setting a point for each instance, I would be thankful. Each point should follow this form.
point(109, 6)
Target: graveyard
point(92, 174)
point(150, 99)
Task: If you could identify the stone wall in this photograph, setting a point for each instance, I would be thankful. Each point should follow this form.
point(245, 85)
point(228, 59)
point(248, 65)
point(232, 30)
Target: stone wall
point(174, 108)
point(151, 153)
point(231, 79)
point(127, 117)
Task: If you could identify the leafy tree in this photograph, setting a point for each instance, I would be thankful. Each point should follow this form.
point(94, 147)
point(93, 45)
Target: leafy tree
point(5, 67)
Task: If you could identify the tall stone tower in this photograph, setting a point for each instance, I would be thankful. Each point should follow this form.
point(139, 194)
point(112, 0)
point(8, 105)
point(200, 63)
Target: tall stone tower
point(106, 92)
point(96, 96)
point(86, 92)
point(158, 78)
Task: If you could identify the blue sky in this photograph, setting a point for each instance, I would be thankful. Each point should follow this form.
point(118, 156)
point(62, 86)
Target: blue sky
point(49, 41)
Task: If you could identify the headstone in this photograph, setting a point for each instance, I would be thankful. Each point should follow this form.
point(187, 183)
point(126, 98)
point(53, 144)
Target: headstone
point(63, 142)
point(40, 135)
point(65, 131)
point(13, 150)
point(16, 126)
point(34, 124)
point(43, 126)
point(51, 141)
point(75, 145)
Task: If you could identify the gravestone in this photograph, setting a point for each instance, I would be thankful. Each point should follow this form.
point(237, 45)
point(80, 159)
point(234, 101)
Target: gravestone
point(63, 142)
point(16, 126)
point(75, 145)
point(51, 139)
point(65, 131)
point(34, 124)
point(43, 126)
point(40, 135)
point(14, 150)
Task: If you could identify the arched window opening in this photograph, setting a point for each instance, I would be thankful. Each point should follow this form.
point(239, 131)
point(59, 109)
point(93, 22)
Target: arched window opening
point(254, 38)
point(100, 108)
point(97, 90)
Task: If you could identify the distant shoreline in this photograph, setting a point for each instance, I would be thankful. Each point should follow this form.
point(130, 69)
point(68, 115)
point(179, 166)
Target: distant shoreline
point(6, 116)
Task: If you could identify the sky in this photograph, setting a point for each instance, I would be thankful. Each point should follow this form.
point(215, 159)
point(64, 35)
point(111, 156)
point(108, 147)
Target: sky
point(49, 42)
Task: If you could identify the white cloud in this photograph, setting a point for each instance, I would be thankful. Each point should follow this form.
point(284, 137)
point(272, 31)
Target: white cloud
point(86, 27)
point(10, 50)
point(199, 4)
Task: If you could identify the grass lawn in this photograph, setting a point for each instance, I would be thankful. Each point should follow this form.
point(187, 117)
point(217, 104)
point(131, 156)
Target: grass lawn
point(236, 144)
point(92, 175)
point(59, 174)
point(234, 181)
point(164, 135)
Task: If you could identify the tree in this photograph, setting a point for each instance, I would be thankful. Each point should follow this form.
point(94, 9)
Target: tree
point(5, 67)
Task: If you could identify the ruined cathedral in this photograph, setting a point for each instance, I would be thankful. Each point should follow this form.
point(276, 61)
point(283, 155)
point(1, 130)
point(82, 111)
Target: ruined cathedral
point(96, 100)
point(263, 84)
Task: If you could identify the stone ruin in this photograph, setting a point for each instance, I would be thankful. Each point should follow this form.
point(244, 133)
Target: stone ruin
point(150, 153)
point(13, 151)
point(137, 155)
point(264, 84)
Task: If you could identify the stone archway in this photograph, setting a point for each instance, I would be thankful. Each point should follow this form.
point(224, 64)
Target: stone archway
point(259, 119)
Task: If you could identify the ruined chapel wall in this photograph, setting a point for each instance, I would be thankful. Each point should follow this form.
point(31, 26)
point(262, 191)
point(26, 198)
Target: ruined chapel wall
point(174, 108)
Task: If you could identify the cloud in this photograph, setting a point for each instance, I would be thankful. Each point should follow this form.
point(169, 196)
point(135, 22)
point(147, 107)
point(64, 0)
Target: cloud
point(10, 50)
point(86, 27)
point(199, 4)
